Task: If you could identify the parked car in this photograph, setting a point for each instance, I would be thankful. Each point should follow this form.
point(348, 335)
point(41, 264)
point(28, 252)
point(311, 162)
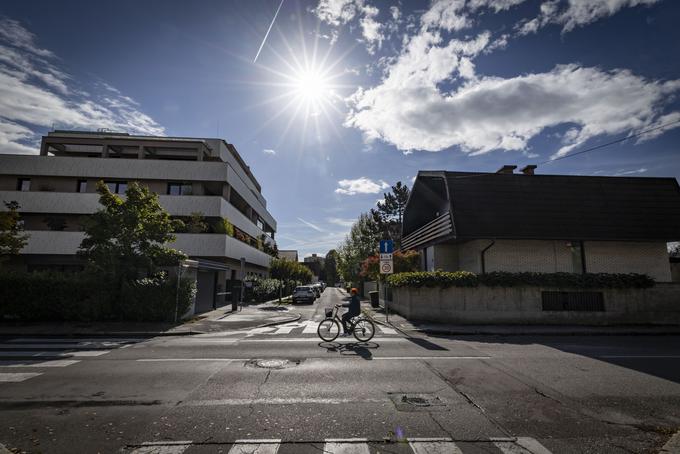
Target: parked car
point(304, 294)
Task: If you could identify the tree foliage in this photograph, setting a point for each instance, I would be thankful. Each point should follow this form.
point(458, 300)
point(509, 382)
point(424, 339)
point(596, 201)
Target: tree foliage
point(12, 238)
point(288, 270)
point(129, 235)
point(381, 223)
point(331, 267)
point(403, 262)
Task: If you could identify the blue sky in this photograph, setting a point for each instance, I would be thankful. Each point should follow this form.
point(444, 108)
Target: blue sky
point(349, 96)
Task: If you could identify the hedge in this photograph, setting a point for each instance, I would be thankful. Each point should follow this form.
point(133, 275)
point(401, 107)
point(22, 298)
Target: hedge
point(52, 296)
point(444, 279)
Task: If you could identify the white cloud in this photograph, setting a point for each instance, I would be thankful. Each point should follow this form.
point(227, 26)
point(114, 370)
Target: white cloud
point(34, 92)
point(576, 13)
point(341, 12)
point(341, 222)
point(269, 151)
point(360, 185)
point(454, 15)
point(410, 110)
point(630, 172)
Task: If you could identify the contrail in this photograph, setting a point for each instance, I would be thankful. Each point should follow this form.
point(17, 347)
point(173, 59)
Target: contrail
point(268, 30)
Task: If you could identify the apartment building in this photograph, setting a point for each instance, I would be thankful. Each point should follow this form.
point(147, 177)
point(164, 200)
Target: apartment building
point(57, 190)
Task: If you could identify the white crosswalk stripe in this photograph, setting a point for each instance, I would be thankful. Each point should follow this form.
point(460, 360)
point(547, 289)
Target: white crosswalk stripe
point(523, 445)
point(346, 446)
point(177, 447)
point(443, 446)
point(50, 353)
point(305, 327)
point(11, 377)
point(255, 447)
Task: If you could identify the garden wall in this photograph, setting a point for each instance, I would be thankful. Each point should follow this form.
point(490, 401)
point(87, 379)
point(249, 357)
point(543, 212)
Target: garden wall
point(523, 305)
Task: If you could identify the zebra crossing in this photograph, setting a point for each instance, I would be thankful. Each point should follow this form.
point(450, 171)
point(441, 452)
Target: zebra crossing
point(24, 358)
point(520, 445)
point(304, 327)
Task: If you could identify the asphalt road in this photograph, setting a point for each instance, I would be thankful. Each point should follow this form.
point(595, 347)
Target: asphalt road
point(280, 389)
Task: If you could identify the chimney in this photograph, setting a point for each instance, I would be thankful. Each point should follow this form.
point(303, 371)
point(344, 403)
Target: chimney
point(506, 169)
point(528, 169)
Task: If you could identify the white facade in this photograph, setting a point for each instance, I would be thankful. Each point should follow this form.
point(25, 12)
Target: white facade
point(551, 256)
point(222, 187)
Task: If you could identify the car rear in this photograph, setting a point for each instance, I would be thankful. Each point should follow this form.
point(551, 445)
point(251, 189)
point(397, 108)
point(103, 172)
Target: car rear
point(303, 294)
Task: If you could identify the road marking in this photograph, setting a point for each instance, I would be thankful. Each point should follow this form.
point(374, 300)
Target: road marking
point(255, 447)
point(311, 327)
point(162, 447)
point(351, 446)
point(32, 363)
point(523, 445)
point(114, 340)
point(89, 353)
point(317, 340)
point(386, 330)
point(434, 447)
point(399, 358)
point(280, 401)
point(7, 377)
point(160, 360)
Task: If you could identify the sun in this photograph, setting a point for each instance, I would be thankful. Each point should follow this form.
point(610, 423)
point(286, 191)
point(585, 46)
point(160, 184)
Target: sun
point(311, 86)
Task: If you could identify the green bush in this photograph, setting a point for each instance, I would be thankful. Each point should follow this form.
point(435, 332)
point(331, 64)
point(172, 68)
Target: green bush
point(155, 299)
point(266, 289)
point(444, 279)
point(52, 296)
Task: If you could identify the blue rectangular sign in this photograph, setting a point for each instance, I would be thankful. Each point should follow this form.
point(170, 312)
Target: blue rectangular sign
point(386, 246)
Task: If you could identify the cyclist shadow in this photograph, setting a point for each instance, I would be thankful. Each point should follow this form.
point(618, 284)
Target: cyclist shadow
point(362, 349)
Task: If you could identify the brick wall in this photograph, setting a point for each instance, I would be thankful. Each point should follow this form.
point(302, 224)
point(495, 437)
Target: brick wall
point(620, 257)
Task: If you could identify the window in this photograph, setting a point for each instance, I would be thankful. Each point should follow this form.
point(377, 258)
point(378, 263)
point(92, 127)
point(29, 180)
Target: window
point(82, 186)
point(179, 189)
point(24, 184)
point(117, 187)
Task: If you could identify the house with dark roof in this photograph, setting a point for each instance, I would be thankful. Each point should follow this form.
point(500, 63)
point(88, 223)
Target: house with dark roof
point(516, 222)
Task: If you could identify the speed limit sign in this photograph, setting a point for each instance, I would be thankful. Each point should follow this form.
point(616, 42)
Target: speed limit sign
point(386, 267)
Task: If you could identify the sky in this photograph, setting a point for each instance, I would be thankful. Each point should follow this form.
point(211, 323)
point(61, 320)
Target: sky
point(346, 97)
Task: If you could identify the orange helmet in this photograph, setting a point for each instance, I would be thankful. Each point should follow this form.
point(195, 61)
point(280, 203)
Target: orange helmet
point(354, 291)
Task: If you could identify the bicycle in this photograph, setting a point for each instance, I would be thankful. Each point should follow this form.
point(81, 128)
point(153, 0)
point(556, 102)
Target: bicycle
point(361, 327)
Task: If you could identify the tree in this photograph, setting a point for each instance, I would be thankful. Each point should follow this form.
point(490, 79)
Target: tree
point(331, 267)
point(196, 223)
point(129, 235)
point(289, 273)
point(390, 212)
point(12, 238)
point(361, 242)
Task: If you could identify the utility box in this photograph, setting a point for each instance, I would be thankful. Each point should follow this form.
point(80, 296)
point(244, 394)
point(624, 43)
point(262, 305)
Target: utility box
point(375, 299)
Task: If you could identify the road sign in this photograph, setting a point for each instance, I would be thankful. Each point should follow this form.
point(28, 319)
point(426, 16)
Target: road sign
point(385, 256)
point(386, 267)
point(386, 246)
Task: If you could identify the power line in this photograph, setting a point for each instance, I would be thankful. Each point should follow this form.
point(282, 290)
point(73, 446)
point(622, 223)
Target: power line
point(597, 147)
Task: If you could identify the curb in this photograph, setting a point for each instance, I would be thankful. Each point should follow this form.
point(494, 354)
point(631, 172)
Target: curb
point(537, 333)
point(280, 322)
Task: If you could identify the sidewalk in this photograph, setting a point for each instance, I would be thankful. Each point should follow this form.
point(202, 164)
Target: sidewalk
point(221, 319)
point(413, 327)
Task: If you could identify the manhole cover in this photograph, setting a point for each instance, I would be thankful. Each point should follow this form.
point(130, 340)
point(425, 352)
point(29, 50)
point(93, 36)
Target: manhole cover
point(418, 402)
point(272, 363)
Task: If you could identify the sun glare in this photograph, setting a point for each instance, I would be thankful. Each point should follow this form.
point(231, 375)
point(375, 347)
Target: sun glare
point(311, 86)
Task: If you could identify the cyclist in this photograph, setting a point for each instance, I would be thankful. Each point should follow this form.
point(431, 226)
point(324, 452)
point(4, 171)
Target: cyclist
point(354, 306)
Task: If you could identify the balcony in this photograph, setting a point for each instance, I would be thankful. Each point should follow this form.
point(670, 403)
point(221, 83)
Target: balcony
point(193, 244)
point(88, 203)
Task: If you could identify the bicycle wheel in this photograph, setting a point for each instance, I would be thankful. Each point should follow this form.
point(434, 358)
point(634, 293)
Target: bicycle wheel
point(328, 330)
point(364, 330)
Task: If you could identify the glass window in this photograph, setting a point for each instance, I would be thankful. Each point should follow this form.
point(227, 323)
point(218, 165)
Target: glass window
point(82, 186)
point(24, 184)
point(117, 187)
point(180, 189)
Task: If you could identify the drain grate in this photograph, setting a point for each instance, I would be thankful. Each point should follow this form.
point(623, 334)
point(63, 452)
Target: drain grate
point(418, 402)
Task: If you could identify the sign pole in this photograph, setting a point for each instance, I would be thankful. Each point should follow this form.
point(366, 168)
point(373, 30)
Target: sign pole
point(386, 267)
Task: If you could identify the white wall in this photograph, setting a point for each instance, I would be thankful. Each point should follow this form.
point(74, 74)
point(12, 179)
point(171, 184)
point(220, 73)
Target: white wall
point(552, 256)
